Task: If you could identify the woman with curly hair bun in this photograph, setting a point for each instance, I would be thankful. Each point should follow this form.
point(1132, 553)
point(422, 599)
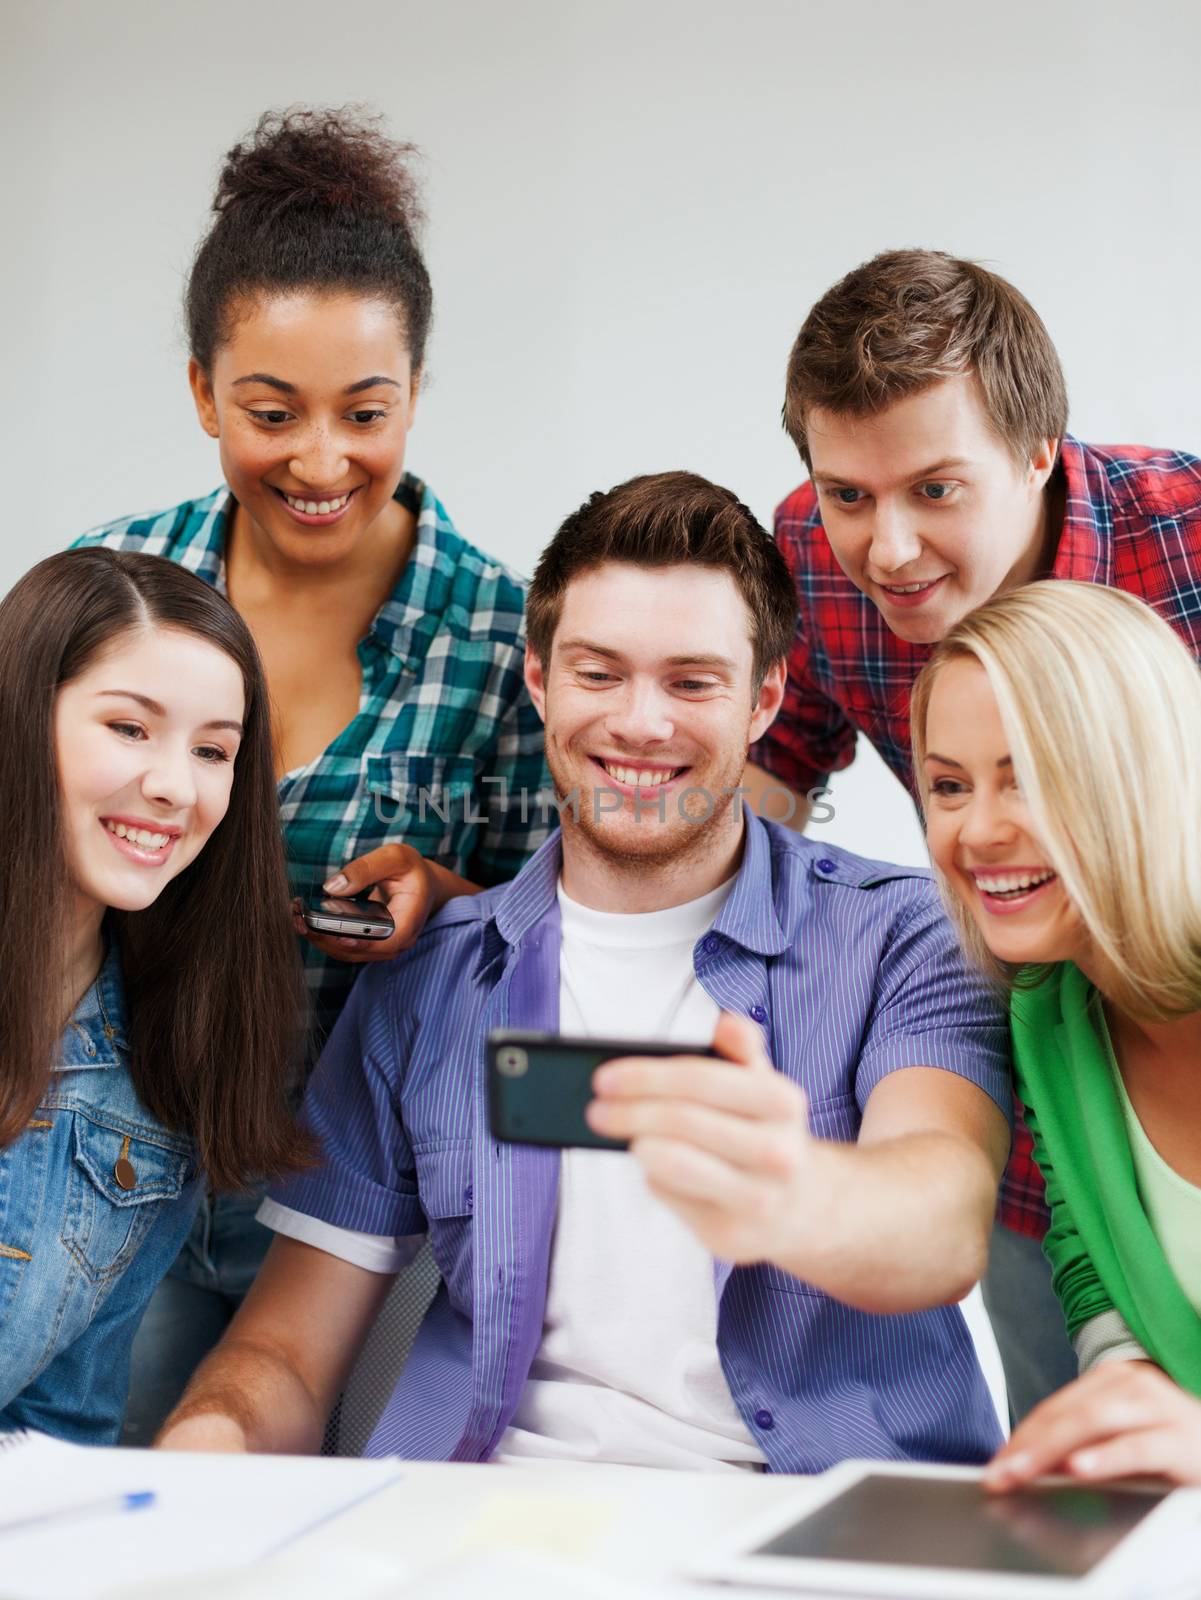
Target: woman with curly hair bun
point(407, 753)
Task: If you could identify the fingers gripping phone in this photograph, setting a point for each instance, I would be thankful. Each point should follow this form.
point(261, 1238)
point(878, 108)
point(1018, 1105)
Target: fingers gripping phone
point(539, 1084)
point(354, 916)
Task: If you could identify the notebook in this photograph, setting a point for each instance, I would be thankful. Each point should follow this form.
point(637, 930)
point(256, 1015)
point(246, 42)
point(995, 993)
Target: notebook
point(209, 1512)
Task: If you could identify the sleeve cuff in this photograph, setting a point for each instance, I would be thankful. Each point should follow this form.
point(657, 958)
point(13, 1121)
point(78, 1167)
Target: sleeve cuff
point(376, 1252)
point(924, 1050)
point(1106, 1337)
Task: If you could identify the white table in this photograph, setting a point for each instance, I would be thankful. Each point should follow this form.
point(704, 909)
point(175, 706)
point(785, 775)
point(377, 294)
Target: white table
point(534, 1531)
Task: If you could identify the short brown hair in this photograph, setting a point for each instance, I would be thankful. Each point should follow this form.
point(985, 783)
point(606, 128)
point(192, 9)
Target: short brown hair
point(667, 519)
point(908, 318)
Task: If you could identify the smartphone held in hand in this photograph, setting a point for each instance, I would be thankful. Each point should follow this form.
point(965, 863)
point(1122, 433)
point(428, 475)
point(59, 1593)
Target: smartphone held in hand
point(540, 1083)
point(352, 916)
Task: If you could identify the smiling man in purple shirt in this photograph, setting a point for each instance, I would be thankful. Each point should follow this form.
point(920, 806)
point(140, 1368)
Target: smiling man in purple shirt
point(768, 1277)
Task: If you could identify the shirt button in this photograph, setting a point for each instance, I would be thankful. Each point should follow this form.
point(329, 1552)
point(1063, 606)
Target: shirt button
point(757, 1014)
point(764, 1420)
point(710, 943)
point(826, 865)
point(468, 1196)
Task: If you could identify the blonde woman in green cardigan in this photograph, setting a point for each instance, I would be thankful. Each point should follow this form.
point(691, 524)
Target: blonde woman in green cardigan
point(1057, 741)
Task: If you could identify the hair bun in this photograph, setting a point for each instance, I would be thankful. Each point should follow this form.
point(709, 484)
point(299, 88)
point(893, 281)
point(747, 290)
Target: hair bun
point(327, 158)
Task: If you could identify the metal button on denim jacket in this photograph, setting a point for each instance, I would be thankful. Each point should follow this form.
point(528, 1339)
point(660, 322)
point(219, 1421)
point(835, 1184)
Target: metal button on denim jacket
point(96, 1198)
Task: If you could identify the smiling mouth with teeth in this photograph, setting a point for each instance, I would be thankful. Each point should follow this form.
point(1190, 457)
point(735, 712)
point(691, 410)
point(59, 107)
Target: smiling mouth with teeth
point(909, 588)
point(316, 508)
point(144, 838)
point(640, 777)
point(1012, 885)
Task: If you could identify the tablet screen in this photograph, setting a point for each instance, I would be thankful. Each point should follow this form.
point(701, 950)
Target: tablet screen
point(1050, 1531)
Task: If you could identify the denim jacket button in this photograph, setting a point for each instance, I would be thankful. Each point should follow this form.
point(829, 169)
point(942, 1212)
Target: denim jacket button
point(123, 1171)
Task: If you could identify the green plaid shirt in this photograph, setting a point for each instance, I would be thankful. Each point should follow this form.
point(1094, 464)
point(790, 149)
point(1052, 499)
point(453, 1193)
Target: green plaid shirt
point(446, 750)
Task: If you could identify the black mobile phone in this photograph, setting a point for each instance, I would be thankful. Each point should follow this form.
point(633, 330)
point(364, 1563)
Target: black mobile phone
point(539, 1084)
point(355, 916)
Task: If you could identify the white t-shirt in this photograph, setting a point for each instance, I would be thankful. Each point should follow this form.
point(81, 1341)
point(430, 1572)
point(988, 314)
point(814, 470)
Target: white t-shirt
point(628, 1369)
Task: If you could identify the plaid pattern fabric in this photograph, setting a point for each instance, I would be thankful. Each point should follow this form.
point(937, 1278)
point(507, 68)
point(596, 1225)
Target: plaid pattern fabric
point(446, 751)
point(1132, 519)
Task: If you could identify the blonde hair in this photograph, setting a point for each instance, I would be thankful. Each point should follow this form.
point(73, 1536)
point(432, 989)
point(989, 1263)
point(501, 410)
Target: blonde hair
point(1101, 704)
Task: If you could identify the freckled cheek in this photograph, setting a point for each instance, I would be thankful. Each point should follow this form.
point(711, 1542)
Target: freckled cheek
point(248, 458)
point(382, 458)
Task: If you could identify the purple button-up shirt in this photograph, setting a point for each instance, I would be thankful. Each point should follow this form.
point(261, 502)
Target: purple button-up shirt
point(853, 973)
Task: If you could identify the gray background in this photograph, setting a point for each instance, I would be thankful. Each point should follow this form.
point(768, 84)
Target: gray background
point(632, 205)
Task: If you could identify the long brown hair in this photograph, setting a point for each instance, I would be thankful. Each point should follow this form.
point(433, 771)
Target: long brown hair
point(212, 976)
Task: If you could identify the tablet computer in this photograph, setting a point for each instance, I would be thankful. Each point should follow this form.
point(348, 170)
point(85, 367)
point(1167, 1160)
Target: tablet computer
point(882, 1528)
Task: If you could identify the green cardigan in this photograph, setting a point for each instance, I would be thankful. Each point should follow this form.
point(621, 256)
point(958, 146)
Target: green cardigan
point(1101, 1247)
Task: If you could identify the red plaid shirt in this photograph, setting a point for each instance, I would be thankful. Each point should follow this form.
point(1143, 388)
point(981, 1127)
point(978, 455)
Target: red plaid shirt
point(1132, 519)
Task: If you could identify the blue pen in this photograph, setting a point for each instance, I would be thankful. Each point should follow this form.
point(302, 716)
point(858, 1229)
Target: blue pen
point(114, 1502)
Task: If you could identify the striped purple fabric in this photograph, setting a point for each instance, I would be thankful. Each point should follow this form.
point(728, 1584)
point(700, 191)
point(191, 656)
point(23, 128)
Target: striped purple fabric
point(853, 973)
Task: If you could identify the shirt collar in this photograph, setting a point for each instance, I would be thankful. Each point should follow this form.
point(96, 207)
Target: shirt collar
point(98, 1020)
point(1085, 549)
point(748, 917)
point(412, 614)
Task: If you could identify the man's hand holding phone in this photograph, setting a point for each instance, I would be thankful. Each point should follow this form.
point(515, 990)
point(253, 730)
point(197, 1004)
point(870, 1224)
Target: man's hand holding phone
point(726, 1144)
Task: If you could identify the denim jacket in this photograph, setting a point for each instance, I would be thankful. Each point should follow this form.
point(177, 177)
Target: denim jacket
point(96, 1198)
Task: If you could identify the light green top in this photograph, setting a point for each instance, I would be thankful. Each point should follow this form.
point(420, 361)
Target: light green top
point(1104, 1251)
point(1172, 1203)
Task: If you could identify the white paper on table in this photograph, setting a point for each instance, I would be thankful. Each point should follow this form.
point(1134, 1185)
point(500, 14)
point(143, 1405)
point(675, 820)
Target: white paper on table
point(210, 1512)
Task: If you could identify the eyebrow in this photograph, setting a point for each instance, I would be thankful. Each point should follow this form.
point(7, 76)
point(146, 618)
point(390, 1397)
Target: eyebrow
point(948, 464)
point(156, 710)
point(672, 661)
point(285, 387)
point(281, 384)
point(946, 761)
point(370, 383)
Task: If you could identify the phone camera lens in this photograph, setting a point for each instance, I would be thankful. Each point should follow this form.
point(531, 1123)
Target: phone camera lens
point(512, 1062)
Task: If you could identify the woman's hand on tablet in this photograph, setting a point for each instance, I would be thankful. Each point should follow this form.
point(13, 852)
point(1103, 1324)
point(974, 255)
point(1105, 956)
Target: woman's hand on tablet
point(411, 887)
point(1123, 1419)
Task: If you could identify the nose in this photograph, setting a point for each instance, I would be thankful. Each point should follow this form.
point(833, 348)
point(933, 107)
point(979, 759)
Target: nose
point(984, 823)
point(642, 716)
point(169, 780)
point(320, 462)
point(895, 542)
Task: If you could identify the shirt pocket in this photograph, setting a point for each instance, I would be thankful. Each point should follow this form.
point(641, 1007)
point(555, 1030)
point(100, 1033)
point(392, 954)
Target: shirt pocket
point(447, 1195)
point(118, 1183)
point(432, 802)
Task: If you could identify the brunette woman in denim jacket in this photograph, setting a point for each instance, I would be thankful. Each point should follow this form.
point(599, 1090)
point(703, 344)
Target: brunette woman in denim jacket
point(150, 992)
